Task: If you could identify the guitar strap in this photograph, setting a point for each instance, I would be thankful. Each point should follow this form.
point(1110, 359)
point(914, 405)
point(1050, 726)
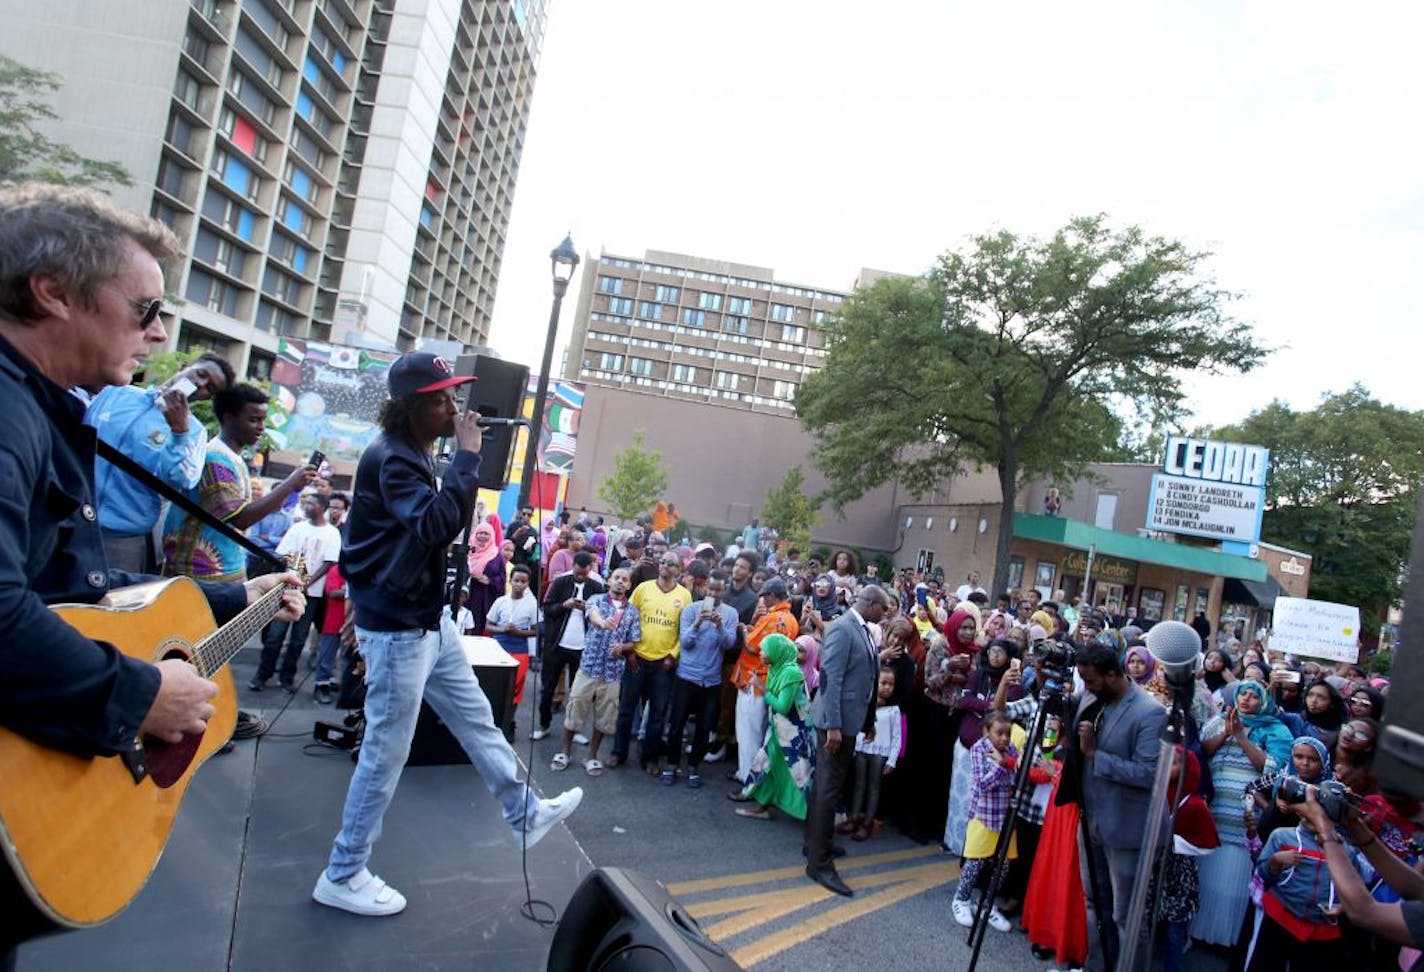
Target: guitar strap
point(127, 465)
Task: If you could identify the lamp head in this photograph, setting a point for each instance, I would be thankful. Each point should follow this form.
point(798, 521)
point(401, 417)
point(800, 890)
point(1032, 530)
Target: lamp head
point(563, 260)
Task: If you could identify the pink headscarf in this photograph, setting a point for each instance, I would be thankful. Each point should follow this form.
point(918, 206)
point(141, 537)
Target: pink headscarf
point(811, 667)
point(483, 548)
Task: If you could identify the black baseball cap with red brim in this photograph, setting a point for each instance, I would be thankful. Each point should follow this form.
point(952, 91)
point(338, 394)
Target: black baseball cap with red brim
point(419, 372)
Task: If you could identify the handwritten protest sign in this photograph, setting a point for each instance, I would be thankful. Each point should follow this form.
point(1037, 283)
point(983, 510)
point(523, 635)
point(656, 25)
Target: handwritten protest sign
point(1319, 629)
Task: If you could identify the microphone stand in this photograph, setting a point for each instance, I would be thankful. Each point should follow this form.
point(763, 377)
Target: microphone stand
point(1152, 861)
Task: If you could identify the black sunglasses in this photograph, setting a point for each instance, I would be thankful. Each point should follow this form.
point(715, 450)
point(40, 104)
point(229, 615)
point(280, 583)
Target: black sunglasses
point(147, 308)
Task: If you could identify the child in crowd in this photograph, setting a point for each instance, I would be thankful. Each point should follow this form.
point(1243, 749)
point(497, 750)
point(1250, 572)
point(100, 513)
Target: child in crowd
point(329, 646)
point(1055, 913)
point(874, 759)
point(465, 619)
point(992, 761)
point(1193, 836)
point(1299, 926)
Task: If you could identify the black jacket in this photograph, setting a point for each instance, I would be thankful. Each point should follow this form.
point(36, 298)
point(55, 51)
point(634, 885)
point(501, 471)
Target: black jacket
point(556, 616)
point(59, 688)
point(400, 525)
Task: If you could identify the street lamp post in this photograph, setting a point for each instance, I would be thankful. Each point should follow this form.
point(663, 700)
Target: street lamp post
point(563, 260)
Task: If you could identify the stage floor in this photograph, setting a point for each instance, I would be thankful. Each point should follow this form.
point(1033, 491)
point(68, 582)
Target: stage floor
point(233, 890)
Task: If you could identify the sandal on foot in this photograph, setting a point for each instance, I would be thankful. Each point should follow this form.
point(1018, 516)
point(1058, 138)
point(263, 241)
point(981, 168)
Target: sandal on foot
point(861, 833)
point(593, 767)
point(757, 813)
point(559, 762)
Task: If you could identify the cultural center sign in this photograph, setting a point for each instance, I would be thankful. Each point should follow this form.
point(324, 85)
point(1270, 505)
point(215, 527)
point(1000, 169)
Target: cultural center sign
point(1208, 488)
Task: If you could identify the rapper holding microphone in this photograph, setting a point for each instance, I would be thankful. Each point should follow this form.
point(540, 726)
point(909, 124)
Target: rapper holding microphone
point(401, 523)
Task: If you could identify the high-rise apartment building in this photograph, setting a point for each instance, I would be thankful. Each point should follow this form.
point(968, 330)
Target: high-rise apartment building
point(670, 324)
point(334, 167)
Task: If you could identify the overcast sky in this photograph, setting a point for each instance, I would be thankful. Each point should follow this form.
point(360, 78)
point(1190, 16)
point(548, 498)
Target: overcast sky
point(822, 136)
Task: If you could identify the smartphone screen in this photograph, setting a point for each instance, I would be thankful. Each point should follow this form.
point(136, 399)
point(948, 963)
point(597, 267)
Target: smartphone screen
point(185, 386)
point(317, 458)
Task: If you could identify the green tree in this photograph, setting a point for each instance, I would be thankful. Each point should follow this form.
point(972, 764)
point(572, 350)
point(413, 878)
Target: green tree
point(1018, 354)
point(1343, 486)
point(788, 510)
point(637, 480)
point(28, 155)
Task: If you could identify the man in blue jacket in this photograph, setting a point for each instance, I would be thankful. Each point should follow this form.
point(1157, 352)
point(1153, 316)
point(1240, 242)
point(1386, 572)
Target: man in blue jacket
point(401, 523)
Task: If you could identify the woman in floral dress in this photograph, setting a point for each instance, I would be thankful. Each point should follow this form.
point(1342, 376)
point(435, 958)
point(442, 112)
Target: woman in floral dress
point(781, 772)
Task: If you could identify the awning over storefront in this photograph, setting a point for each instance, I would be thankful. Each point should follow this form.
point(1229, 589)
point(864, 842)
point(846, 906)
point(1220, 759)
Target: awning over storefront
point(1263, 594)
point(1082, 536)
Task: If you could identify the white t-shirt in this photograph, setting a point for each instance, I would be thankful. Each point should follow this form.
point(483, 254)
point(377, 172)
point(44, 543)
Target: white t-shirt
point(574, 630)
point(523, 613)
point(317, 545)
point(965, 590)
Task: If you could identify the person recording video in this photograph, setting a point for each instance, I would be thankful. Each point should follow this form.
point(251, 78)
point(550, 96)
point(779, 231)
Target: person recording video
point(1402, 922)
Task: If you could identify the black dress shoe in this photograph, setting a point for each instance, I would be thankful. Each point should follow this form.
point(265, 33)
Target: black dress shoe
point(830, 880)
point(837, 850)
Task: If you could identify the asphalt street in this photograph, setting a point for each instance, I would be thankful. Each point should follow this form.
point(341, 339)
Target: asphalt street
point(743, 879)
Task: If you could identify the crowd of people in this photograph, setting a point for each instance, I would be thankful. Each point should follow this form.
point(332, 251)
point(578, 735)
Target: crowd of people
point(701, 654)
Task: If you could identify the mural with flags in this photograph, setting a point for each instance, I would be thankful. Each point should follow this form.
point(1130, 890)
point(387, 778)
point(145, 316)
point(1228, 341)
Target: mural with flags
point(327, 397)
point(563, 407)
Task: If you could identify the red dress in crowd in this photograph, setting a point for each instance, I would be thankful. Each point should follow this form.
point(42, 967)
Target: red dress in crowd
point(1055, 911)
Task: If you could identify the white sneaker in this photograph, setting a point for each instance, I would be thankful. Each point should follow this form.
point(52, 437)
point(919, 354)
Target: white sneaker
point(997, 921)
point(539, 734)
point(549, 813)
point(361, 894)
point(581, 739)
point(963, 913)
point(717, 755)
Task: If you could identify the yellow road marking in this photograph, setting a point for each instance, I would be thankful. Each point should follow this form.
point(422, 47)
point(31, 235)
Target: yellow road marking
point(681, 888)
point(764, 948)
point(755, 910)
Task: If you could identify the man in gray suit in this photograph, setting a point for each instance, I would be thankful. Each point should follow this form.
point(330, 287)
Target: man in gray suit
point(1118, 731)
point(849, 669)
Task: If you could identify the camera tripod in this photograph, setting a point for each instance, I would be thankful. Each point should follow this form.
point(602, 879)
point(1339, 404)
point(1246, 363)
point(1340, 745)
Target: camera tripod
point(1050, 702)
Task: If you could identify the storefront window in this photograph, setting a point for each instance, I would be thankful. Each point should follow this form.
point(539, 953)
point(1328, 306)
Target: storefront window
point(1043, 576)
point(1149, 605)
point(1016, 573)
point(1179, 606)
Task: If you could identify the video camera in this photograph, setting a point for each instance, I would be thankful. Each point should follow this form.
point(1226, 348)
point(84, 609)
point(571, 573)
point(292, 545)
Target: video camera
point(1055, 660)
point(1332, 795)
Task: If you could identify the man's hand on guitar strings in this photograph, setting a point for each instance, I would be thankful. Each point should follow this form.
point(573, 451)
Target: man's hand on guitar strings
point(294, 603)
point(181, 706)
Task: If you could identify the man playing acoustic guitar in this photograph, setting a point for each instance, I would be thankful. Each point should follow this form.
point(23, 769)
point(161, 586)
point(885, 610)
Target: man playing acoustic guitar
point(80, 293)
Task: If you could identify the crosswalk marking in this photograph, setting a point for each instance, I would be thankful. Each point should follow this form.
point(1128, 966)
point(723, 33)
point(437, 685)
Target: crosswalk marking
point(680, 888)
point(742, 914)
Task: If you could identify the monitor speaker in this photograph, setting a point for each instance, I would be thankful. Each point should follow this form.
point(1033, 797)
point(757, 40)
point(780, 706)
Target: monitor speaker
point(1399, 759)
point(498, 393)
point(625, 921)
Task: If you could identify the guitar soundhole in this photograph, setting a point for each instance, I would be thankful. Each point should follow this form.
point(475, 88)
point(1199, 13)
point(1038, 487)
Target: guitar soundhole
point(167, 762)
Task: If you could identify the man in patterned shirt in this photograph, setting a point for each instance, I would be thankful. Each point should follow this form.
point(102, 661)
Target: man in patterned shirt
point(190, 547)
point(613, 629)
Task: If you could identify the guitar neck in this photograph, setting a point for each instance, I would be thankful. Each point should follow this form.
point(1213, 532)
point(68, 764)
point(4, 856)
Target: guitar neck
point(219, 648)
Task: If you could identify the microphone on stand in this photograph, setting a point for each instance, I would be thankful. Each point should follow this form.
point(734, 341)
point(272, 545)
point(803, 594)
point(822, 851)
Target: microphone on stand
point(499, 423)
point(1177, 648)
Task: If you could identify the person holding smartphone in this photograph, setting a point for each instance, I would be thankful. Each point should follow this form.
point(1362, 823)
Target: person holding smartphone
point(155, 427)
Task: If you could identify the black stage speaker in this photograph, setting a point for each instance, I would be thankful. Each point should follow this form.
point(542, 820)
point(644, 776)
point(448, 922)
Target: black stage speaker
point(499, 393)
point(495, 670)
point(1399, 761)
point(623, 921)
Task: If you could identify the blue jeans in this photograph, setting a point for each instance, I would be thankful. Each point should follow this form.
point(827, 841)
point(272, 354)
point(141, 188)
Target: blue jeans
point(649, 681)
point(401, 666)
point(327, 649)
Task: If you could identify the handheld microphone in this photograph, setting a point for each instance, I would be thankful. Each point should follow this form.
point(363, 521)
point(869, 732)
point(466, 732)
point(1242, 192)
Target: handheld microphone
point(500, 423)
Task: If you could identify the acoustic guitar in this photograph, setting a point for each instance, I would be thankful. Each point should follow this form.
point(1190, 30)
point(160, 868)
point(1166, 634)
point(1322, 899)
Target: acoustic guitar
point(81, 835)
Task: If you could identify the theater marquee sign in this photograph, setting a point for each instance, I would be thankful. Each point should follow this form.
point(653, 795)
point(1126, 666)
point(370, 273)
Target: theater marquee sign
point(1211, 489)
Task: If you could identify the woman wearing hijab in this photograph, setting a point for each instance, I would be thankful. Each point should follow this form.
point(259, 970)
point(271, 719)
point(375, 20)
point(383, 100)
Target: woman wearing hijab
point(487, 575)
point(1242, 743)
point(933, 731)
point(976, 699)
point(781, 772)
point(1309, 763)
point(1324, 712)
point(1139, 665)
point(824, 599)
point(808, 656)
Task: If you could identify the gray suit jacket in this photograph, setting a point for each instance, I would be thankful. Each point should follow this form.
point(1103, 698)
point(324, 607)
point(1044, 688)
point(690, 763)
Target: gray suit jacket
point(1117, 779)
point(849, 668)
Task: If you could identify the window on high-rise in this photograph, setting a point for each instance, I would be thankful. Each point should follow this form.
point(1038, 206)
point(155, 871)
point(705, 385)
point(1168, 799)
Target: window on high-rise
point(610, 362)
point(728, 379)
point(739, 305)
point(640, 366)
point(735, 325)
point(649, 311)
point(668, 295)
point(684, 373)
point(693, 317)
point(783, 313)
point(709, 301)
point(793, 334)
point(784, 390)
point(610, 285)
point(621, 305)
